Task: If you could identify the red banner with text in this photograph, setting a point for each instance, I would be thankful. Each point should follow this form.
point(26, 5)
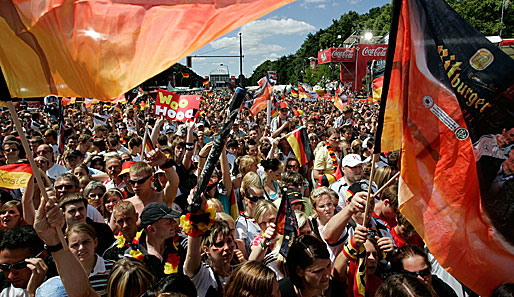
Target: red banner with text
point(176, 107)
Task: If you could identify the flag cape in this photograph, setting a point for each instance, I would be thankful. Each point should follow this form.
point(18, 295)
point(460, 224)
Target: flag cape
point(450, 108)
point(301, 146)
point(286, 221)
point(101, 49)
point(15, 176)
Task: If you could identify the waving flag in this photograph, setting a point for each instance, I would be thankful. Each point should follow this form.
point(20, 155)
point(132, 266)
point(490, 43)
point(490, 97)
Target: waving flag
point(261, 95)
point(205, 83)
point(101, 49)
point(185, 74)
point(377, 88)
point(450, 107)
point(294, 93)
point(301, 146)
point(302, 92)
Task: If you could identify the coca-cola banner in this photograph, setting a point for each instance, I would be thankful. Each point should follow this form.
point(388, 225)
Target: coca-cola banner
point(336, 55)
point(368, 52)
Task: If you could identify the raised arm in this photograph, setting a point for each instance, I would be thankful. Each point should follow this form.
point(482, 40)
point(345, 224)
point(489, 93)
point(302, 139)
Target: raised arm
point(75, 281)
point(27, 203)
point(189, 145)
point(337, 224)
point(157, 158)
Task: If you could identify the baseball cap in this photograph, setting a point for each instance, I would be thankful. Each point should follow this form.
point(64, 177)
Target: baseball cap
point(155, 211)
point(294, 197)
point(283, 105)
point(351, 160)
point(74, 153)
point(125, 167)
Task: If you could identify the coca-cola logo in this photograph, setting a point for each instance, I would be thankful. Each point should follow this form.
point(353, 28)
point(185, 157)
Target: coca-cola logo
point(374, 52)
point(345, 54)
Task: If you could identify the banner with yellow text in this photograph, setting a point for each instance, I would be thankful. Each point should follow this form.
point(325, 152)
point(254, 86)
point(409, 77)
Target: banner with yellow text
point(15, 176)
point(176, 107)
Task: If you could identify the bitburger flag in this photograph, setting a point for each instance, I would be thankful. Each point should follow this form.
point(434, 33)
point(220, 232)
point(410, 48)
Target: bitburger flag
point(450, 107)
point(301, 146)
point(101, 49)
point(15, 176)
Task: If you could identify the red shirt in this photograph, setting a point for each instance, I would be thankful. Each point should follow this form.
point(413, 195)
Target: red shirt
point(414, 240)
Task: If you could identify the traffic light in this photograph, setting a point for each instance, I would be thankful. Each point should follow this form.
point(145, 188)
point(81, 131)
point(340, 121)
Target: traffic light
point(189, 61)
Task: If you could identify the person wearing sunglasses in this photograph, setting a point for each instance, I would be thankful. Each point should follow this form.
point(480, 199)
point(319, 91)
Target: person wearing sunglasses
point(413, 260)
point(246, 226)
point(141, 180)
point(21, 261)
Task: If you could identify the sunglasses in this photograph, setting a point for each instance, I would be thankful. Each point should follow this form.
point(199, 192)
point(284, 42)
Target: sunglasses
point(139, 181)
point(98, 196)
point(291, 167)
point(62, 187)
point(255, 198)
point(423, 273)
point(16, 266)
point(11, 150)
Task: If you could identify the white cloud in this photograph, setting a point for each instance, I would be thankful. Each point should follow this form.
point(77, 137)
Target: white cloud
point(321, 6)
point(225, 42)
point(353, 2)
point(260, 29)
point(268, 49)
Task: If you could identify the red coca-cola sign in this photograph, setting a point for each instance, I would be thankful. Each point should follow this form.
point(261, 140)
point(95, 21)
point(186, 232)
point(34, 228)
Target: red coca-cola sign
point(336, 55)
point(375, 52)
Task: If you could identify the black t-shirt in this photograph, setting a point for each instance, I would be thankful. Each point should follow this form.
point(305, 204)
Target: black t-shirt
point(441, 288)
point(104, 235)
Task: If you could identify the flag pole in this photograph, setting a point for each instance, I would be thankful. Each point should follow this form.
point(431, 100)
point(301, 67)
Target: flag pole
point(144, 142)
point(369, 196)
point(30, 158)
point(387, 184)
point(298, 129)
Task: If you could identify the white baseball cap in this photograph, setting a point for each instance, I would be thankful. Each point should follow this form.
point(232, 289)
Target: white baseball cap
point(351, 160)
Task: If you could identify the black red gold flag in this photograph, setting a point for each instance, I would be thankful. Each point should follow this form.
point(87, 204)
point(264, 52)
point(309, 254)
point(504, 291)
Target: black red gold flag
point(450, 109)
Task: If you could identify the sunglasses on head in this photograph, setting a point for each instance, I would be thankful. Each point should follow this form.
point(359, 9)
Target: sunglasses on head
point(139, 181)
point(255, 198)
point(423, 273)
point(62, 187)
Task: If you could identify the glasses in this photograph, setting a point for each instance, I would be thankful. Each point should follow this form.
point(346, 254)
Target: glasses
point(423, 273)
point(255, 198)
point(21, 265)
point(63, 187)
point(97, 196)
point(139, 181)
point(292, 167)
point(11, 150)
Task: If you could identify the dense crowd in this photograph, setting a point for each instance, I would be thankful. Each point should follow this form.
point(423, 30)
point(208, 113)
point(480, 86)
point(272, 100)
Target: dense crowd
point(128, 232)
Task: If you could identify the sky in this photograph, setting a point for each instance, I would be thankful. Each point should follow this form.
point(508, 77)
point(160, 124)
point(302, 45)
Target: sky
point(276, 34)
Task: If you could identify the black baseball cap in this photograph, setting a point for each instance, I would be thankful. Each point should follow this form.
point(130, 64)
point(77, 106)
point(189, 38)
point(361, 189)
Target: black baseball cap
point(155, 211)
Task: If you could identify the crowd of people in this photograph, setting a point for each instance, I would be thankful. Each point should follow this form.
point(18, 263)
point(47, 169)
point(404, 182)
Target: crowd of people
point(129, 232)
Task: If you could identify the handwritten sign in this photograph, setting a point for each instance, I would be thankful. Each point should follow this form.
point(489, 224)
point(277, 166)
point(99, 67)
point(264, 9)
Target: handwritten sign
point(176, 107)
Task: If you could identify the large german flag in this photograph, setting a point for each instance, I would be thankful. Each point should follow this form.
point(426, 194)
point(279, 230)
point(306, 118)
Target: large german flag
point(301, 146)
point(450, 109)
point(15, 176)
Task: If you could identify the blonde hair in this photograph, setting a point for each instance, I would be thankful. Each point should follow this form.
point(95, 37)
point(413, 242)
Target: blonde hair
point(317, 193)
point(382, 175)
point(217, 205)
point(251, 181)
point(141, 167)
point(262, 207)
point(245, 162)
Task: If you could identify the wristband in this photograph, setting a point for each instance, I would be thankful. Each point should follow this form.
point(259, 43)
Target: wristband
point(190, 146)
point(53, 248)
point(264, 246)
point(168, 164)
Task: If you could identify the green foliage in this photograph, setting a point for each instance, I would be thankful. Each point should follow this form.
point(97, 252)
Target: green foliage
point(484, 15)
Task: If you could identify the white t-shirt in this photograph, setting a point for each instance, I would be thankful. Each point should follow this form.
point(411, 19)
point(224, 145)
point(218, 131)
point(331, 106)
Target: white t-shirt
point(55, 171)
point(205, 278)
point(12, 291)
point(94, 214)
